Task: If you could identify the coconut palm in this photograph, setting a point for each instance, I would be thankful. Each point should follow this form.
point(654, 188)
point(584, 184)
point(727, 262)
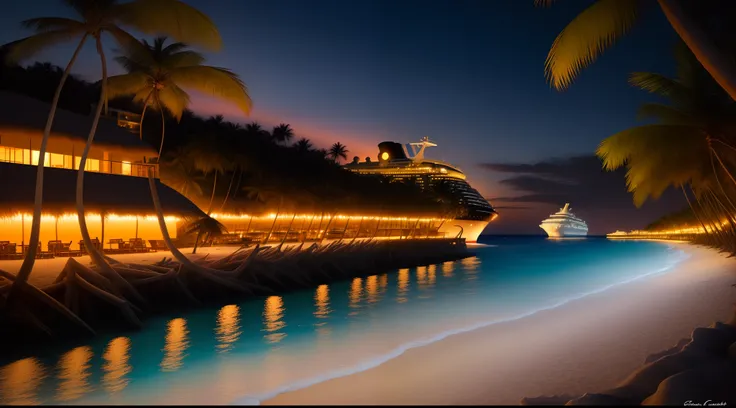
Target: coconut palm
point(604, 21)
point(303, 145)
point(282, 133)
point(171, 17)
point(338, 151)
point(691, 146)
point(159, 73)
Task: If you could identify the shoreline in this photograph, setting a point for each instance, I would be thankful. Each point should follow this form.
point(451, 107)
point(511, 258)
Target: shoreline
point(586, 344)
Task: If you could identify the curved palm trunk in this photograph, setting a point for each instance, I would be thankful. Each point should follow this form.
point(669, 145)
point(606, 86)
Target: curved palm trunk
point(209, 211)
point(327, 228)
point(95, 254)
point(309, 227)
point(163, 130)
point(440, 226)
point(275, 219)
point(30, 256)
point(288, 230)
point(227, 195)
point(143, 114)
point(690, 204)
point(237, 185)
point(360, 224)
point(375, 231)
point(209, 273)
point(721, 68)
point(344, 230)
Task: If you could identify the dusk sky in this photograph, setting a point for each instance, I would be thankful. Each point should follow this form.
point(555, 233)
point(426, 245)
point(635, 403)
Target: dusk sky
point(467, 74)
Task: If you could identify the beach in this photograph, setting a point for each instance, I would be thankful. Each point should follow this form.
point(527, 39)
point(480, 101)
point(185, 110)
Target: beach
point(585, 345)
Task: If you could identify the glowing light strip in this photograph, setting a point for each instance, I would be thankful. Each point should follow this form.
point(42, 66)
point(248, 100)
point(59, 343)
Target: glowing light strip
point(108, 217)
point(271, 216)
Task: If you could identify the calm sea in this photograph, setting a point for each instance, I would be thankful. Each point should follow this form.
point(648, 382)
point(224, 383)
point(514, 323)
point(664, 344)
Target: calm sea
point(247, 352)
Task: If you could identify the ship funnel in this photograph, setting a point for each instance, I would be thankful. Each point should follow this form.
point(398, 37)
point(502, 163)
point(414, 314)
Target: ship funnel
point(566, 208)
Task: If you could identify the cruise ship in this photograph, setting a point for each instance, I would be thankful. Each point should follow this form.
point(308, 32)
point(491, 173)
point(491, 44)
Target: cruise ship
point(564, 224)
point(407, 162)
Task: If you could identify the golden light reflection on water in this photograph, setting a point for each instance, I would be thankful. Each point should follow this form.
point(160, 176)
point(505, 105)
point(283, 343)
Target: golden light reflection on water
point(74, 374)
point(421, 275)
point(322, 302)
point(447, 269)
point(20, 382)
point(403, 285)
point(470, 267)
point(273, 315)
point(371, 288)
point(116, 366)
point(356, 293)
point(383, 282)
point(431, 274)
point(176, 345)
point(228, 329)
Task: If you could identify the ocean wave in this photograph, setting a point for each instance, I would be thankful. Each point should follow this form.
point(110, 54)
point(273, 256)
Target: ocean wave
point(398, 351)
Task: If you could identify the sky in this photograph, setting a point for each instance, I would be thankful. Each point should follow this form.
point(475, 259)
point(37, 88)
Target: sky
point(469, 74)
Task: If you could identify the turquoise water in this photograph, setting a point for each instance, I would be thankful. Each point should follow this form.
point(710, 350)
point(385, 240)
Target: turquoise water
point(247, 352)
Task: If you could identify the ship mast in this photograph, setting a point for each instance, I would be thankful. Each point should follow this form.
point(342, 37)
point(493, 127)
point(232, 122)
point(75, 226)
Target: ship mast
point(419, 147)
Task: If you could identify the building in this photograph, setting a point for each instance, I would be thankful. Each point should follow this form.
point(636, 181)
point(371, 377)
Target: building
point(116, 185)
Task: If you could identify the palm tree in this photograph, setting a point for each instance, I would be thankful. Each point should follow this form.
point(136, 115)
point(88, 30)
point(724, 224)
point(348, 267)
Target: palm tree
point(282, 133)
point(691, 146)
point(303, 145)
point(158, 74)
point(598, 26)
point(337, 151)
point(171, 17)
point(254, 129)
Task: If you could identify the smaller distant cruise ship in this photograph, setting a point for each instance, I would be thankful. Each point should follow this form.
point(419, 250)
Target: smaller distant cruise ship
point(564, 224)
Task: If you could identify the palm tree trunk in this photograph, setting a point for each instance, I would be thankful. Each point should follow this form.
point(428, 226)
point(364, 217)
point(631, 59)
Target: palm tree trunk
point(413, 230)
point(227, 195)
point(375, 231)
point(690, 204)
point(344, 230)
point(327, 228)
point(102, 230)
point(309, 227)
point(143, 114)
point(95, 253)
point(440, 226)
point(720, 67)
point(212, 197)
point(30, 256)
point(288, 230)
point(360, 224)
point(237, 185)
point(278, 210)
point(163, 130)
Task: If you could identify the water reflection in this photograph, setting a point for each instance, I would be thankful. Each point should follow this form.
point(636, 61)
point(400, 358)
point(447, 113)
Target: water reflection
point(431, 274)
point(116, 366)
point(447, 269)
point(322, 302)
point(177, 343)
point(470, 267)
point(228, 328)
point(273, 319)
point(383, 283)
point(421, 276)
point(371, 288)
point(356, 292)
point(403, 285)
point(20, 382)
point(74, 374)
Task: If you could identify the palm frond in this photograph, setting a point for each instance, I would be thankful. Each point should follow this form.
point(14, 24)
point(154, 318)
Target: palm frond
point(173, 18)
point(173, 99)
point(218, 82)
point(666, 114)
point(660, 85)
point(591, 32)
point(543, 3)
point(123, 38)
point(126, 84)
point(27, 47)
point(46, 24)
point(183, 59)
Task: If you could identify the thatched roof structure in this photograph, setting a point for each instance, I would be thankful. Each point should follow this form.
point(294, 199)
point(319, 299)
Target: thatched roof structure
point(25, 117)
point(108, 193)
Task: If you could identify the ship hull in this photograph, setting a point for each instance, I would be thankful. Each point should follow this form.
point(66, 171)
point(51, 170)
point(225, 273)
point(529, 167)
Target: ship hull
point(558, 231)
point(471, 229)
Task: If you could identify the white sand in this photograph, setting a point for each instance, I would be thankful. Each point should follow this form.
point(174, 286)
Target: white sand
point(587, 345)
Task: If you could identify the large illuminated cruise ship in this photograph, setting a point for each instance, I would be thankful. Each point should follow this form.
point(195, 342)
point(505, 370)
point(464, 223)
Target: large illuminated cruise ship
point(407, 162)
point(564, 224)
